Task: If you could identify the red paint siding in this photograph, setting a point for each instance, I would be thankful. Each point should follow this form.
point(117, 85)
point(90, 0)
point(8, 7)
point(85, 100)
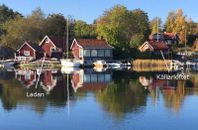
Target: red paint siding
point(48, 78)
point(27, 48)
point(28, 81)
point(46, 46)
point(75, 79)
point(76, 50)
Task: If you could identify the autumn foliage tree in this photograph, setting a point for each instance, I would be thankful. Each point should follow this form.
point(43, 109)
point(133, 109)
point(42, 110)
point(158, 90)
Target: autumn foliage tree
point(156, 25)
point(176, 22)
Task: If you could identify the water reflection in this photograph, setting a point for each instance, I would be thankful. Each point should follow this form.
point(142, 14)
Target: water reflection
point(89, 80)
point(118, 92)
point(123, 95)
point(173, 91)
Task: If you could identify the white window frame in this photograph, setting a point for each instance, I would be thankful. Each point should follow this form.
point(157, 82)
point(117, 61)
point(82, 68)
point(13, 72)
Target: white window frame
point(88, 52)
point(108, 53)
point(94, 53)
point(103, 54)
point(80, 52)
point(26, 52)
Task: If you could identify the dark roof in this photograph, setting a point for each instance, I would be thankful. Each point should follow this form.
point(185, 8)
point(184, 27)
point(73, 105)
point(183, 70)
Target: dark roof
point(35, 47)
point(93, 44)
point(171, 36)
point(58, 41)
point(158, 45)
point(164, 36)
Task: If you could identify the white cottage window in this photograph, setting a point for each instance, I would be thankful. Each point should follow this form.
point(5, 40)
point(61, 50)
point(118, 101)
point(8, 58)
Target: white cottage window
point(94, 53)
point(107, 53)
point(87, 53)
point(101, 53)
point(27, 53)
point(47, 40)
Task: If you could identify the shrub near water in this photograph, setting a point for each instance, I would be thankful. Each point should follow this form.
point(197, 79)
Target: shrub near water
point(150, 65)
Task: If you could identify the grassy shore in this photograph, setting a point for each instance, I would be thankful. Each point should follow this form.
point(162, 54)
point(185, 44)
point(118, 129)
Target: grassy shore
point(37, 64)
point(146, 65)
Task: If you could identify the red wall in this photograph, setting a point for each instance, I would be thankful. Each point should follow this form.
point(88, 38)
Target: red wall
point(47, 48)
point(75, 79)
point(47, 78)
point(75, 50)
point(28, 82)
point(26, 47)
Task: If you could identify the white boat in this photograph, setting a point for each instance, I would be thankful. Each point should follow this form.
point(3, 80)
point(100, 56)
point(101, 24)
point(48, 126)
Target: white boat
point(99, 65)
point(69, 70)
point(114, 65)
point(70, 63)
point(7, 63)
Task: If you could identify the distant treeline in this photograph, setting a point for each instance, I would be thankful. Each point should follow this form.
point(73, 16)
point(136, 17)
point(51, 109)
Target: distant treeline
point(122, 28)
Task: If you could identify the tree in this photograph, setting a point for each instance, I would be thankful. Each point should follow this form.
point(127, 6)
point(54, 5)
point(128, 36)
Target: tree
point(192, 27)
point(84, 30)
point(118, 26)
point(155, 25)
point(170, 22)
point(5, 15)
point(181, 25)
point(136, 40)
point(55, 24)
point(176, 22)
point(22, 29)
point(117, 97)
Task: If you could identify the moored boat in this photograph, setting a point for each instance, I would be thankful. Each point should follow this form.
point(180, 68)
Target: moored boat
point(70, 63)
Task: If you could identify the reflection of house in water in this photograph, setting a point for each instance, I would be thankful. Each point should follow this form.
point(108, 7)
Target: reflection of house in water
point(173, 91)
point(27, 77)
point(85, 80)
point(48, 81)
point(151, 83)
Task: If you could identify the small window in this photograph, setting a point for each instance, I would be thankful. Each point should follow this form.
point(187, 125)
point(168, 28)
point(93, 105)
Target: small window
point(101, 77)
point(94, 78)
point(107, 53)
point(27, 76)
point(87, 53)
point(87, 78)
point(94, 53)
point(27, 53)
point(107, 77)
point(47, 40)
point(100, 53)
point(53, 49)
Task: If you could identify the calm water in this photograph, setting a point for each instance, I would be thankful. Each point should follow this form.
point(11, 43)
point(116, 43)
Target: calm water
point(89, 100)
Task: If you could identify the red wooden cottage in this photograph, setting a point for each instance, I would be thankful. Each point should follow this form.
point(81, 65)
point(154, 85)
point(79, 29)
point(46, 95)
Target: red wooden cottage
point(154, 46)
point(91, 49)
point(53, 46)
point(166, 37)
point(29, 51)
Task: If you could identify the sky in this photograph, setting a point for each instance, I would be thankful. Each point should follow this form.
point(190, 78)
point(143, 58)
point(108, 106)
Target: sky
point(89, 10)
